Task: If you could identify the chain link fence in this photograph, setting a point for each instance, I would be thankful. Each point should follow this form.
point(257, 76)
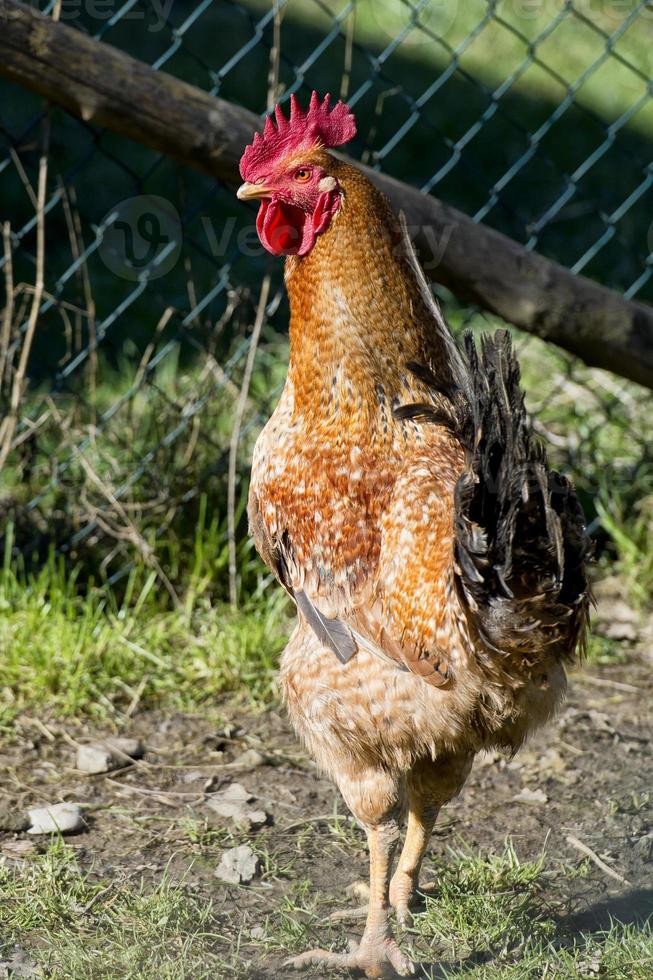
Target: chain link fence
point(139, 351)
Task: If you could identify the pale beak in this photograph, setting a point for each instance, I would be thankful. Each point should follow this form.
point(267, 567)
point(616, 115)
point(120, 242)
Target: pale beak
point(248, 192)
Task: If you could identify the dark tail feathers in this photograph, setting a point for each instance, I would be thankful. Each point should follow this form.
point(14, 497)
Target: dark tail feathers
point(521, 541)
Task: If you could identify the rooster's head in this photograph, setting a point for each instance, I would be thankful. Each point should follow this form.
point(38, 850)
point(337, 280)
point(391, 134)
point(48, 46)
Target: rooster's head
point(287, 169)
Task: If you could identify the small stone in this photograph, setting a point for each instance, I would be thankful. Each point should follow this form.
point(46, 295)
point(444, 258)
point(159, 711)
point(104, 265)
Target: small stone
point(255, 819)
point(617, 620)
point(226, 808)
point(250, 759)
point(238, 866)
point(551, 763)
point(526, 795)
point(113, 753)
point(229, 800)
point(232, 801)
point(619, 631)
point(12, 821)
point(601, 721)
point(516, 764)
point(359, 891)
point(64, 818)
point(234, 792)
point(258, 932)
point(95, 759)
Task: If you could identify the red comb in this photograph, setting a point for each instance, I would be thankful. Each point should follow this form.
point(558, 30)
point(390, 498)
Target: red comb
point(317, 125)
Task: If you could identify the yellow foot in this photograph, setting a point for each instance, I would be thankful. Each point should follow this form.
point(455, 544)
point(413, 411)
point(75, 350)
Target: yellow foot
point(347, 915)
point(359, 890)
point(380, 959)
point(404, 894)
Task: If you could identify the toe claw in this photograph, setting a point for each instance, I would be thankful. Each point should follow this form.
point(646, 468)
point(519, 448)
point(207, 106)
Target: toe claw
point(304, 959)
point(359, 890)
point(372, 960)
point(401, 963)
point(404, 915)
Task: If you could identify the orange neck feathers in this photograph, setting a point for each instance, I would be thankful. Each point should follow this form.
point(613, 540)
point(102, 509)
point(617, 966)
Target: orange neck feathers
point(357, 317)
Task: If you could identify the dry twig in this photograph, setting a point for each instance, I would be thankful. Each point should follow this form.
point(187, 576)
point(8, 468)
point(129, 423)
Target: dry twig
point(7, 316)
point(76, 237)
point(608, 682)
point(8, 425)
point(593, 856)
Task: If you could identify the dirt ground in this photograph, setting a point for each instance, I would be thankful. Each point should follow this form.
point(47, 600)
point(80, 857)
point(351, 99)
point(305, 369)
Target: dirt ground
point(587, 777)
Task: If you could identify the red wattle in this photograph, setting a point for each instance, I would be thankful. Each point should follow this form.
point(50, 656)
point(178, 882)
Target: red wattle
point(288, 230)
point(280, 227)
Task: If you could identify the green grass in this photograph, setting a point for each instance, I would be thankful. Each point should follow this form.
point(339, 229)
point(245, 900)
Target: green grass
point(621, 952)
point(605, 652)
point(632, 535)
point(80, 654)
point(485, 903)
point(77, 926)
point(491, 918)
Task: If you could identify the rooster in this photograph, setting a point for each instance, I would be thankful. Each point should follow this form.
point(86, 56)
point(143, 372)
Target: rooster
point(436, 562)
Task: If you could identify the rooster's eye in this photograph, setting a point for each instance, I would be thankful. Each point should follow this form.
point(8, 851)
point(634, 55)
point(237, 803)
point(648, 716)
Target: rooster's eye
point(303, 174)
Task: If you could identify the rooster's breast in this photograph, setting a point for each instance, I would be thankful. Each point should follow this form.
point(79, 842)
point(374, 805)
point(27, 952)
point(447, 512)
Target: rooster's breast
point(324, 493)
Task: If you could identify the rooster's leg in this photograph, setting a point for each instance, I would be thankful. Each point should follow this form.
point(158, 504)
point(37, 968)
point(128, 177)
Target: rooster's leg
point(421, 819)
point(378, 954)
point(430, 785)
point(422, 815)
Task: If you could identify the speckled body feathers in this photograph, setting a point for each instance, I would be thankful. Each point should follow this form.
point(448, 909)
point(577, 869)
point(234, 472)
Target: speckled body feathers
point(372, 495)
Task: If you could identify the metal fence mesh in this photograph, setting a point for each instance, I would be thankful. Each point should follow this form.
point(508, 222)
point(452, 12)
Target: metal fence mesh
point(534, 116)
